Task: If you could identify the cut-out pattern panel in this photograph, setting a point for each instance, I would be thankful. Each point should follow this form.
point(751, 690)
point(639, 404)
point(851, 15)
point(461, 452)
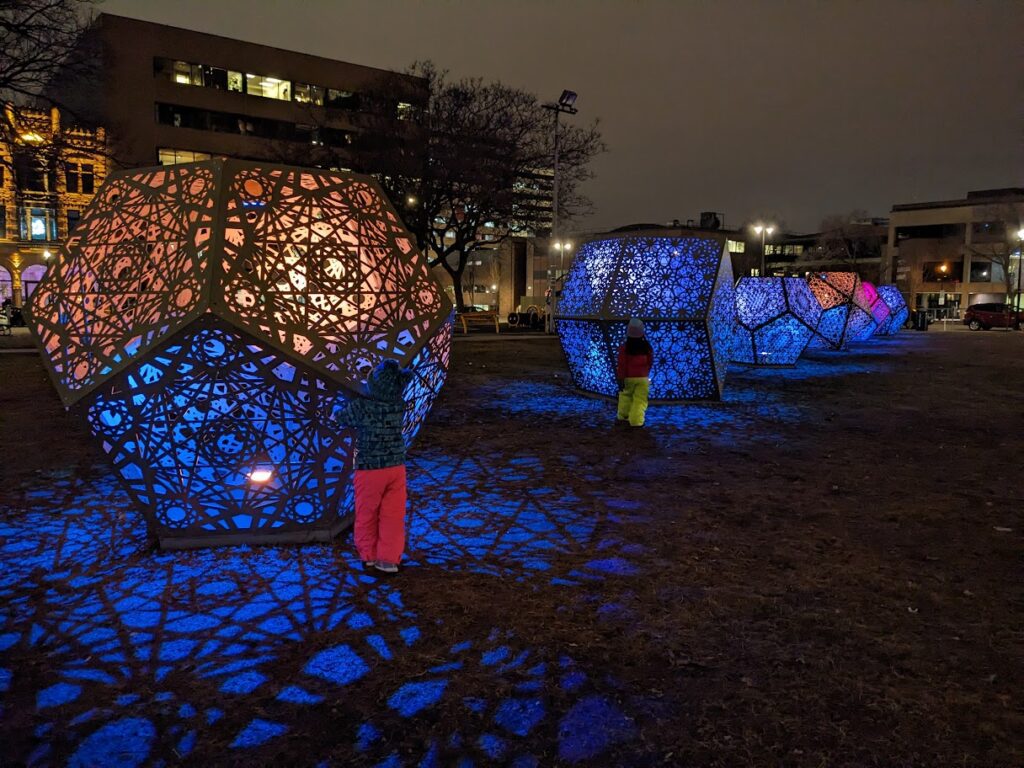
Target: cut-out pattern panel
point(681, 287)
point(775, 319)
point(898, 312)
point(841, 318)
point(210, 379)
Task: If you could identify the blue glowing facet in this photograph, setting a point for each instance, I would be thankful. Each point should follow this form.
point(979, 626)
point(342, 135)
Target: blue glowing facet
point(681, 287)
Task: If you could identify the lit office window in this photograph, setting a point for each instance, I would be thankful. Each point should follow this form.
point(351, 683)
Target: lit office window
point(37, 224)
point(186, 74)
point(309, 94)
point(736, 246)
point(175, 156)
point(268, 87)
point(406, 111)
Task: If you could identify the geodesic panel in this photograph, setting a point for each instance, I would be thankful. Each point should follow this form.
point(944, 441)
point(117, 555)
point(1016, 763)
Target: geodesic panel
point(862, 323)
point(775, 318)
point(841, 318)
point(187, 428)
point(898, 312)
point(681, 287)
point(133, 273)
point(208, 316)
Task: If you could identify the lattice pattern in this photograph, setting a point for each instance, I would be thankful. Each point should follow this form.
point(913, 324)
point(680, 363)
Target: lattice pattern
point(134, 272)
point(186, 428)
point(898, 312)
point(841, 318)
point(200, 373)
point(775, 319)
point(862, 318)
point(681, 288)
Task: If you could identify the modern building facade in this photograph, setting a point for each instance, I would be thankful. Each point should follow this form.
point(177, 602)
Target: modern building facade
point(170, 95)
point(949, 254)
point(46, 180)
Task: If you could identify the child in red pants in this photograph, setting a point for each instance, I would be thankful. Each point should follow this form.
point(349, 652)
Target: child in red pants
point(380, 467)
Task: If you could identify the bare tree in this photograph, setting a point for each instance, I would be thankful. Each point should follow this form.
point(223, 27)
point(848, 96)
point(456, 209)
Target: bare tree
point(39, 40)
point(484, 142)
point(851, 241)
point(995, 239)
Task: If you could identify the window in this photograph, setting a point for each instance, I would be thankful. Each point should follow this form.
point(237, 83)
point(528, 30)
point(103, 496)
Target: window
point(174, 156)
point(81, 178)
point(184, 73)
point(309, 94)
point(267, 87)
point(772, 250)
point(986, 272)
point(3, 221)
point(406, 111)
point(736, 246)
point(792, 250)
point(342, 99)
point(37, 224)
point(74, 216)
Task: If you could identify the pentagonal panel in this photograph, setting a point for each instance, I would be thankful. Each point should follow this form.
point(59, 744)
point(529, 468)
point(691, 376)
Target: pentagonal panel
point(775, 318)
point(318, 265)
point(190, 429)
point(134, 272)
point(835, 294)
point(681, 287)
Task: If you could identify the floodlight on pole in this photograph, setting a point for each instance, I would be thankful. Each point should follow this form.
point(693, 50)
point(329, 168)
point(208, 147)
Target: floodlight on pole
point(762, 230)
point(564, 104)
point(1020, 268)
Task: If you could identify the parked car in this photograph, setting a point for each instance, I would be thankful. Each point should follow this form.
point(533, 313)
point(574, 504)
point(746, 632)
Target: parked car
point(984, 316)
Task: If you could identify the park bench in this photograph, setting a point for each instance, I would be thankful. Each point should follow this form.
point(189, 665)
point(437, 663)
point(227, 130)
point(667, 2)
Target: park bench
point(478, 318)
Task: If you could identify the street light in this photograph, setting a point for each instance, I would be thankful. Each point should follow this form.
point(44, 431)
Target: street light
point(762, 230)
point(1020, 268)
point(564, 104)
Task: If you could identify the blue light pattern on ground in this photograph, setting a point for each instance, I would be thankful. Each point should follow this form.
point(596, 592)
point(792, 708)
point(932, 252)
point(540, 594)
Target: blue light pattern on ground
point(148, 655)
point(683, 290)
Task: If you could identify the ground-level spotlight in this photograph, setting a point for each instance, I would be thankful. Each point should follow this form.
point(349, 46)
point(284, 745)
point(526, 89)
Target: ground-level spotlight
point(262, 470)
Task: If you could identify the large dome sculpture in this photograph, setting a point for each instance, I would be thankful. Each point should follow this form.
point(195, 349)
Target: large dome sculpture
point(844, 311)
point(681, 286)
point(898, 312)
point(208, 318)
point(775, 319)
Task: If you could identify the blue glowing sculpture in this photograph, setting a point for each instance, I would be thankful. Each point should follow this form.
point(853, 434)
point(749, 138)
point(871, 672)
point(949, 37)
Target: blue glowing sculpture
point(209, 317)
point(775, 318)
point(680, 286)
point(844, 314)
point(898, 312)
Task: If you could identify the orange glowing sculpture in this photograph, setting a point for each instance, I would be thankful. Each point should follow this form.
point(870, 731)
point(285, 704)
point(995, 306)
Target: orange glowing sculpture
point(209, 317)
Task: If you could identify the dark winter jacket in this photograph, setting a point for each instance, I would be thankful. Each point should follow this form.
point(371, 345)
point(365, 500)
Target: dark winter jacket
point(377, 418)
point(634, 366)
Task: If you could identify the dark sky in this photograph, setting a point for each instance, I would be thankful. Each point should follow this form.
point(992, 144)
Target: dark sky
point(792, 110)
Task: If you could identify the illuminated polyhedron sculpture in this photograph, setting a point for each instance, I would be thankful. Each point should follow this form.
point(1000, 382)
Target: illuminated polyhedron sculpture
point(898, 312)
point(208, 318)
point(844, 311)
point(876, 311)
point(681, 287)
point(775, 318)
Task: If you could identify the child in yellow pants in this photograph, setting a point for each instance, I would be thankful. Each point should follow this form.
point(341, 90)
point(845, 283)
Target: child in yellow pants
point(633, 372)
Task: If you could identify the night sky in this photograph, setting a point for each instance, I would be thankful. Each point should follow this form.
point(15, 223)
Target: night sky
point(791, 110)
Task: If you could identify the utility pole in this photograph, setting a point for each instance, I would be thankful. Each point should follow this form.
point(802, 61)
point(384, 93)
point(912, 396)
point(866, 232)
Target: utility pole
point(564, 104)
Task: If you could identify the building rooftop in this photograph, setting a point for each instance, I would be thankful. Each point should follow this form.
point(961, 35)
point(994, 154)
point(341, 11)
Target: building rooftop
point(975, 197)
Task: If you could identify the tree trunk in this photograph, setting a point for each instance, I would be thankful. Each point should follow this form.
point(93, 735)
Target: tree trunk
point(455, 273)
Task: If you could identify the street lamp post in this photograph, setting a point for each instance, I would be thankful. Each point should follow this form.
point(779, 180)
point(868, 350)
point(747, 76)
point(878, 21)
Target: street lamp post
point(1020, 268)
point(564, 104)
point(762, 230)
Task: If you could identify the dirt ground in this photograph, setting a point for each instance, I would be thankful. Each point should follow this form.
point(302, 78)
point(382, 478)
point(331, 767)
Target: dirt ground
point(824, 569)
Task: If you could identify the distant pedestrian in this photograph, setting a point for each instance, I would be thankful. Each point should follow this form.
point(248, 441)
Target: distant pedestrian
point(380, 467)
point(633, 371)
